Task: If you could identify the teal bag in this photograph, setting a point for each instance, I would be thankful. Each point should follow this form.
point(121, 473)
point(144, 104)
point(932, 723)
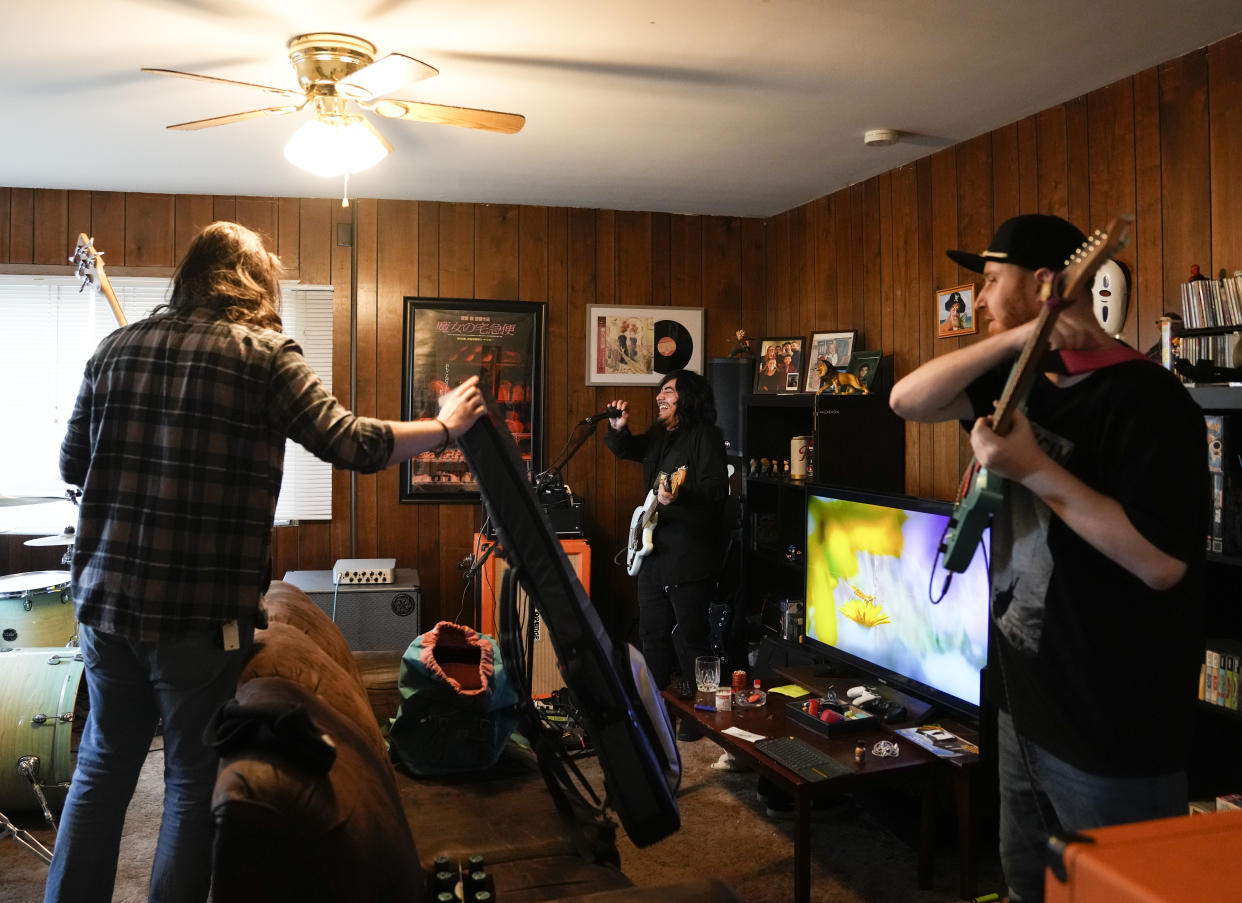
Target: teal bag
point(458, 706)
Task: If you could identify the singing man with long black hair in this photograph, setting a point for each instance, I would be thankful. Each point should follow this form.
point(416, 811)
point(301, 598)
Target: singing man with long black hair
point(677, 579)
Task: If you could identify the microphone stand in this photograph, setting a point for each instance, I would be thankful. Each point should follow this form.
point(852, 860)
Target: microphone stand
point(550, 481)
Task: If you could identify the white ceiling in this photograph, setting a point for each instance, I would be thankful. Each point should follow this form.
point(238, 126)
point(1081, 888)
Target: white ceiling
point(730, 107)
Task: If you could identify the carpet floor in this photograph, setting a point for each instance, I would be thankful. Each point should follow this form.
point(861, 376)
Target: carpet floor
point(863, 851)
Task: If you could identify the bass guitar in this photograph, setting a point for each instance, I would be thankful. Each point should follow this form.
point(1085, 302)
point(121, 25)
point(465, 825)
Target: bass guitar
point(91, 271)
point(981, 491)
point(643, 521)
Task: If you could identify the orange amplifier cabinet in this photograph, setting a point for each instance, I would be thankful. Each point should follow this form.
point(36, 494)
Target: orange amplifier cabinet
point(1191, 857)
point(545, 673)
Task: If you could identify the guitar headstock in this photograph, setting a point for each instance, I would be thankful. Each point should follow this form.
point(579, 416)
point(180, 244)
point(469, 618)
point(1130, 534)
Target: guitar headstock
point(1091, 255)
point(89, 261)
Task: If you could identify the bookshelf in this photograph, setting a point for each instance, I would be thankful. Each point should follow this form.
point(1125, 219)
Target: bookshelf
point(1215, 768)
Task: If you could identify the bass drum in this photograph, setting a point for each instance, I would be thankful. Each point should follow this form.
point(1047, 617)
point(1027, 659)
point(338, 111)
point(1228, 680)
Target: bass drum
point(36, 609)
point(43, 709)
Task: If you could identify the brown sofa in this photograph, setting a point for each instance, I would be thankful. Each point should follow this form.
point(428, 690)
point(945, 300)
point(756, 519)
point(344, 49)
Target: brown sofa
point(289, 828)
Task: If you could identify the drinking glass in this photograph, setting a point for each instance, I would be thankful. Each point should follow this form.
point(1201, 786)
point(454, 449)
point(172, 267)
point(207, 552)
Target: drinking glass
point(707, 673)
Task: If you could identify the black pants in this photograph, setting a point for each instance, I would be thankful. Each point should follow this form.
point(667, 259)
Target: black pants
point(664, 607)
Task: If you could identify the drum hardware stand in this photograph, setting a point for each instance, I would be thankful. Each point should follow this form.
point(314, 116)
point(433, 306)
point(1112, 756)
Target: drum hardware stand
point(24, 838)
point(29, 766)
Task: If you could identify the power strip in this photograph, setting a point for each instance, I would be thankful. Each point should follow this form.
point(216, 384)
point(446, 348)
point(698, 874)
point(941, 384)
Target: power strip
point(364, 570)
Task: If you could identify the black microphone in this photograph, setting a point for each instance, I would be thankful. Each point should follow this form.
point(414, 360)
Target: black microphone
point(606, 414)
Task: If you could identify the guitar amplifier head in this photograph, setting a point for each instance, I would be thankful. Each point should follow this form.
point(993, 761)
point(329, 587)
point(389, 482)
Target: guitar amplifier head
point(372, 617)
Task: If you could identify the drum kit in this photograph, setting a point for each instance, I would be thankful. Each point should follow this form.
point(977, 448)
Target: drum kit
point(43, 698)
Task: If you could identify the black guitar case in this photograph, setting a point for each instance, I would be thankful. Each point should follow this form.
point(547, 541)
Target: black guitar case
point(637, 787)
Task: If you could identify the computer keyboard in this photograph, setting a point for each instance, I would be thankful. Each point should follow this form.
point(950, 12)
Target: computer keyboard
point(802, 758)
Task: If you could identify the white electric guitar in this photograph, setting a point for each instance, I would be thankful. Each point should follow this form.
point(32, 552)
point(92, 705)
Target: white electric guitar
point(643, 523)
point(91, 271)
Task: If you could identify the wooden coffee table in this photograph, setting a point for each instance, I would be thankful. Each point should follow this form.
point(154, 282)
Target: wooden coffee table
point(913, 763)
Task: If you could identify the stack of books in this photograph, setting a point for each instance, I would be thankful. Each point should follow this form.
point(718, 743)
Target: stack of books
point(1218, 683)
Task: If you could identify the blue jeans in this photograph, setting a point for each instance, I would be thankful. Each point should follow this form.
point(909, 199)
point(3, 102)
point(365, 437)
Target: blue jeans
point(131, 686)
point(1042, 795)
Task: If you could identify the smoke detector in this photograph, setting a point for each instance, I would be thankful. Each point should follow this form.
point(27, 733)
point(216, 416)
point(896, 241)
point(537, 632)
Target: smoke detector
point(881, 137)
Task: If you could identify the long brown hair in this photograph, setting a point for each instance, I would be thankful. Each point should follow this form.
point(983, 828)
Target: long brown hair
point(227, 269)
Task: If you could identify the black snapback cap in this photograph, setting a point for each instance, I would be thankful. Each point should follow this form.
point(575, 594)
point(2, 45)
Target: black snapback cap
point(1032, 240)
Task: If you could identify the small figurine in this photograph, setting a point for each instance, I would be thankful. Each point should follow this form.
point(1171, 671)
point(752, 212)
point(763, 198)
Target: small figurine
point(742, 349)
point(785, 467)
point(754, 467)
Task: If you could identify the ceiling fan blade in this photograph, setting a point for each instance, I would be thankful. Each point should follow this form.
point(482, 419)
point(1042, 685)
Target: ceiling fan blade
point(284, 92)
point(384, 76)
point(236, 117)
point(467, 117)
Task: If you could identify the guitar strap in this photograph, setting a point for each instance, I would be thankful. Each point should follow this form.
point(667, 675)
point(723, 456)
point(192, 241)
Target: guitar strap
point(1071, 361)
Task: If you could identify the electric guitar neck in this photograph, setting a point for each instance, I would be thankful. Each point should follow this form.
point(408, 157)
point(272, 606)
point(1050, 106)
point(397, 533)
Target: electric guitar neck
point(91, 271)
point(981, 492)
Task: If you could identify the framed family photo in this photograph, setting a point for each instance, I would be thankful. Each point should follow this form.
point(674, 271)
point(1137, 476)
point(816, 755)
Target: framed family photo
point(637, 346)
point(955, 311)
point(833, 349)
point(780, 365)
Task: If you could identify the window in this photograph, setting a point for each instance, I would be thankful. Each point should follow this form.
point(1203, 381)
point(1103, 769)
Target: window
point(51, 328)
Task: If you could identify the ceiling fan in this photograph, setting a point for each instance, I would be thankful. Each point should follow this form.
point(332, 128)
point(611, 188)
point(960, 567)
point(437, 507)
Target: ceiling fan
point(335, 70)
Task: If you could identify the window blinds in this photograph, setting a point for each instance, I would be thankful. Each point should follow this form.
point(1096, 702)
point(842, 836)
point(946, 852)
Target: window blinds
point(50, 328)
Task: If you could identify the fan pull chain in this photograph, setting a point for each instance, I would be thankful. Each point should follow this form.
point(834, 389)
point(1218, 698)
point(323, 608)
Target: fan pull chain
point(345, 191)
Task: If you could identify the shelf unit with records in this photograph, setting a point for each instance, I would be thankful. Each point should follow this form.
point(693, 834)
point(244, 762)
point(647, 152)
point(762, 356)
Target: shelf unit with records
point(1215, 768)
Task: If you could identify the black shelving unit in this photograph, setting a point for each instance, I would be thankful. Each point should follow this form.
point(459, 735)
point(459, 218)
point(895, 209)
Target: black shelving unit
point(1215, 767)
point(859, 443)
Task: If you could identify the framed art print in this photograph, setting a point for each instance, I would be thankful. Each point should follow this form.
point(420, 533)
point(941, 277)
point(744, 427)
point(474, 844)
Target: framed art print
point(832, 349)
point(447, 341)
point(637, 346)
point(955, 311)
point(780, 365)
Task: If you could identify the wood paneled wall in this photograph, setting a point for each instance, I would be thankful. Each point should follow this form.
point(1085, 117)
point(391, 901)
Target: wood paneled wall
point(1162, 145)
point(568, 258)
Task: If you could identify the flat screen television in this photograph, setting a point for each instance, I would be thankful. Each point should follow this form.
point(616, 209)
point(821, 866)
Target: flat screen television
point(872, 571)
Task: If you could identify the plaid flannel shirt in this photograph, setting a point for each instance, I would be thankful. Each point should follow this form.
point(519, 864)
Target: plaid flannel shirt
point(178, 440)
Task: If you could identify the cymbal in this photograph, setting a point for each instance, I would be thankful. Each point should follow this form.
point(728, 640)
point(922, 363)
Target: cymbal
point(7, 501)
point(60, 539)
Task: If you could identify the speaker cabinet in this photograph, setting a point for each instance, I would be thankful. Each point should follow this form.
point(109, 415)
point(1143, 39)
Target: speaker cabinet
point(731, 379)
point(545, 673)
point(372, 616)
point(859, 443)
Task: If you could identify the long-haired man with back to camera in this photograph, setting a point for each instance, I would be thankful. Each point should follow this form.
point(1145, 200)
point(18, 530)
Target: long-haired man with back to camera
point(177, 440)
point(1097, 552)
point(677, 580)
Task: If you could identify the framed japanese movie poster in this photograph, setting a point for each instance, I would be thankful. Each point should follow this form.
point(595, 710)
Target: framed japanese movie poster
point(637, 346)
point(447, 341)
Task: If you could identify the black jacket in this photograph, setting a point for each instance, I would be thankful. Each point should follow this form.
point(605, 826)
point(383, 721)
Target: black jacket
point(691, 533)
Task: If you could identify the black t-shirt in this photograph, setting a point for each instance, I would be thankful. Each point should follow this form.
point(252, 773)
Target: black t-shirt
point(1097, 668)
point(691, 533)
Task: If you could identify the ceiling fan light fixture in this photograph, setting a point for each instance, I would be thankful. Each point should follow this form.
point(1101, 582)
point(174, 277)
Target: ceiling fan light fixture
point(333, 146)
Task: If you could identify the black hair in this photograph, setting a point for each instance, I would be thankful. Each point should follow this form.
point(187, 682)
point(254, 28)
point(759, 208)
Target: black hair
point(696, 402)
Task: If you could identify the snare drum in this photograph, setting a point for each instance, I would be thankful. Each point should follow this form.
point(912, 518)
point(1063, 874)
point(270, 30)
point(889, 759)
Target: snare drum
point(36, 609)
point(43, 709)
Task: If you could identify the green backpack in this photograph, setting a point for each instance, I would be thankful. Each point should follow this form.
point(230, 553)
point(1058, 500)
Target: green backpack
point(458, 706)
